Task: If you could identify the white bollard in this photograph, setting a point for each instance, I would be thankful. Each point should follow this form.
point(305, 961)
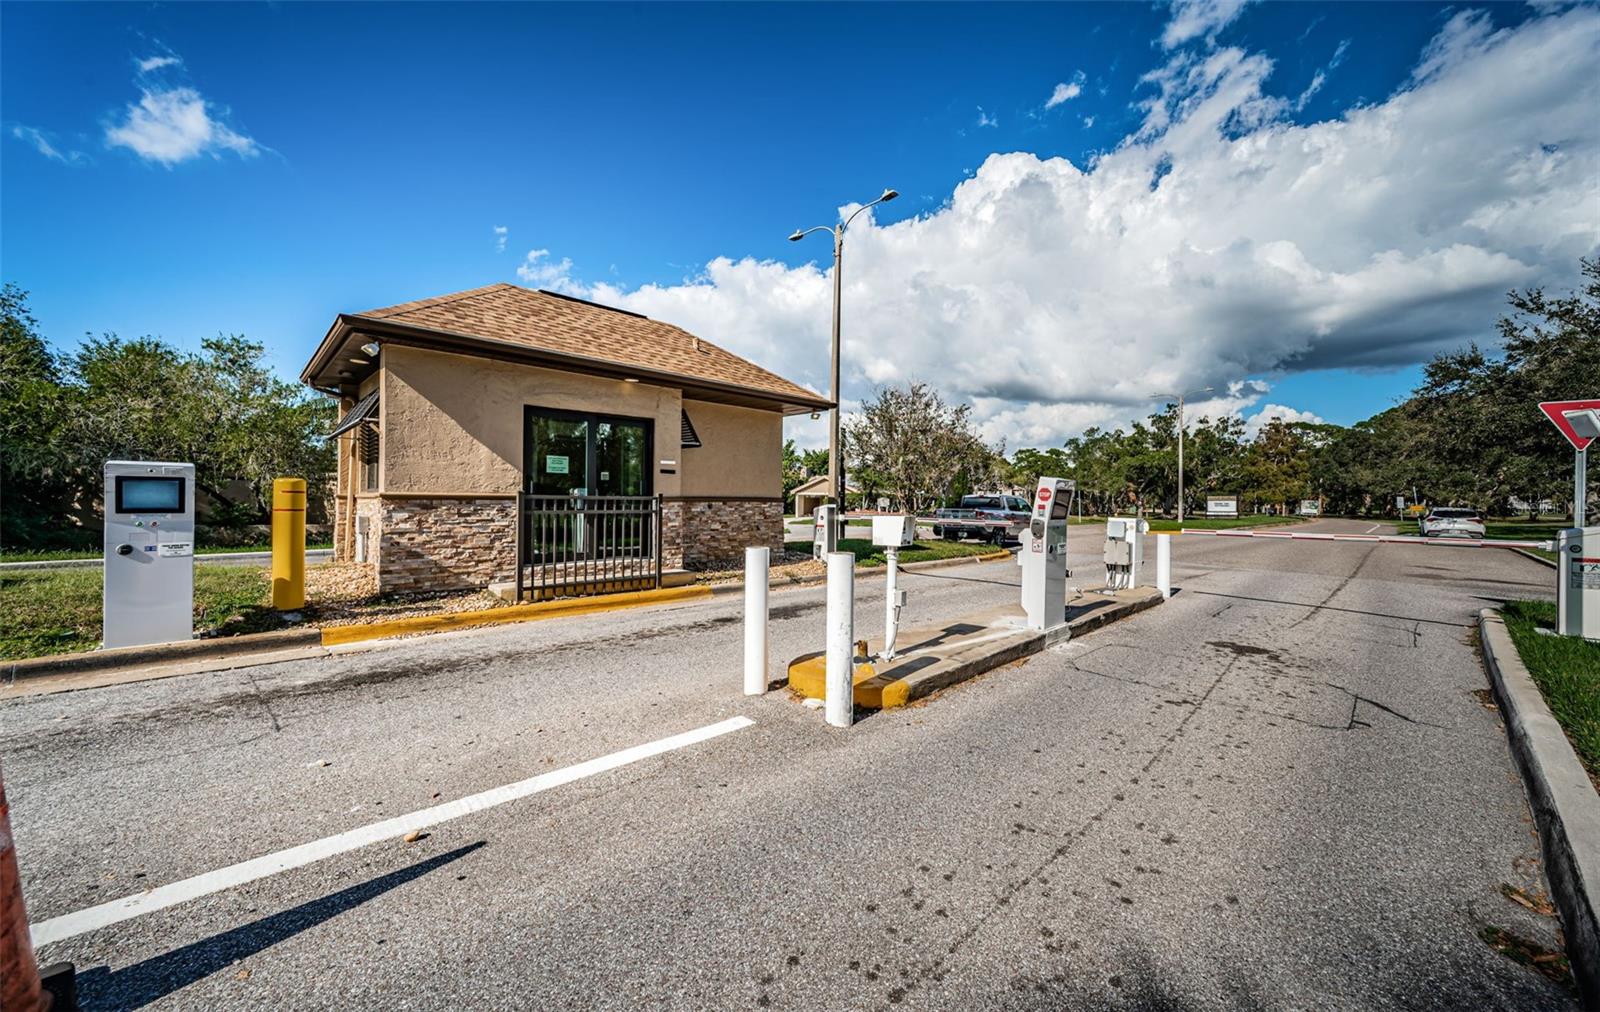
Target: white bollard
point(839, 701)
point(1164, 565)
point(756, 574)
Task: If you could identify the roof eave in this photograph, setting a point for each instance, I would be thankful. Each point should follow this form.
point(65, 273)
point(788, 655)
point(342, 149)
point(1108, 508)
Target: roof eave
point(431, 337)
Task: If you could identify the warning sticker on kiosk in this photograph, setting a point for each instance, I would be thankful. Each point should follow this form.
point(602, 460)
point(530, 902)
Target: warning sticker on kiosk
point(167, 551)
point(1586, 574)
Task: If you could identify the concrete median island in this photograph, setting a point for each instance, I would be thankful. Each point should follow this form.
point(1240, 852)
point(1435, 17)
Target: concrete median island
point(930, 658)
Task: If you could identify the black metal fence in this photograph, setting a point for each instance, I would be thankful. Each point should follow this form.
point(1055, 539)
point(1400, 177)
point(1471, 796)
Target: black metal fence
point(574, 546)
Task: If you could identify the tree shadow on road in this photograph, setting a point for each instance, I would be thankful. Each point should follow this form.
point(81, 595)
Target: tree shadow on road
point(142, 983)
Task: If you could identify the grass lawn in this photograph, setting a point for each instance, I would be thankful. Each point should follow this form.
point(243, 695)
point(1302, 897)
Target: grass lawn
point(61, 555)
point(1567, 671)
point(868, 554)
point(1510, 530)
point(57, 611)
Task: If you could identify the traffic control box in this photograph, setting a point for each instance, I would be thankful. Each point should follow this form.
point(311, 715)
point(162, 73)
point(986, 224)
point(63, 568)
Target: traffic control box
point(1578, 582)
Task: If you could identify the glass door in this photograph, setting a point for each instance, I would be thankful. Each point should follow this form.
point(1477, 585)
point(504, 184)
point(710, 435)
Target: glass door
point(558, 455)
point(621, 458)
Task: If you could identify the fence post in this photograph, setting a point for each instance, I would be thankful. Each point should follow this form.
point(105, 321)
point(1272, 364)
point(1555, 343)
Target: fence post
point(756, 574)
point(1164, 565)
point(839, 704)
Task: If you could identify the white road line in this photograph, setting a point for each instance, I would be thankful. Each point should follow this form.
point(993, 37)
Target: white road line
point(1369, 530)
point(69, 925)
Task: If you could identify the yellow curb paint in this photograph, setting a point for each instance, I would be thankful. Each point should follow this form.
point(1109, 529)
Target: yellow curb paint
point(340, 634)
point(808, 675)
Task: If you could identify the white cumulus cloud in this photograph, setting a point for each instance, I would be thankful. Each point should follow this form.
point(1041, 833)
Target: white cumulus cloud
point(1219, 243)
point(153, 63)
point(172, 125)
point(538, 270)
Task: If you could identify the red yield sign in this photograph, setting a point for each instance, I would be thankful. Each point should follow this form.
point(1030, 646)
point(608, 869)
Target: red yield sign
point(1556, 412)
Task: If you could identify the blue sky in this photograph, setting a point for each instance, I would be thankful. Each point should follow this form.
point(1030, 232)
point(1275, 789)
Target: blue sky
point(342, 157)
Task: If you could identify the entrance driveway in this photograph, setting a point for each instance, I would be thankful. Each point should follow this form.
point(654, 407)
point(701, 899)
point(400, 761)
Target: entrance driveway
point(1283, 788)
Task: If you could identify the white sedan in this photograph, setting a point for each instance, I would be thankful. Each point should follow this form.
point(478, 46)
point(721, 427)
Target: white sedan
point(1452, 521)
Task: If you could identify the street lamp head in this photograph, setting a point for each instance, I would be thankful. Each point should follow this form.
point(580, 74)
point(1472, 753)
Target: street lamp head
point(889, 195)
point(798, 235)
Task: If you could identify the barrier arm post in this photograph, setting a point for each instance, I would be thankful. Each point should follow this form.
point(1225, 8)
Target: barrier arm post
point(756, 652)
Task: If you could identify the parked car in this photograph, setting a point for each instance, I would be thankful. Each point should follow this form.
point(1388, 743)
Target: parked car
point(996, 518)
point(1451, 521)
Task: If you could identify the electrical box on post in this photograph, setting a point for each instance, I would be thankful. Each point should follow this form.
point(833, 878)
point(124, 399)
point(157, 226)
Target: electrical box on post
point(1578, 582)
point(148, 594)
point(893, 531)
point(1124, 538)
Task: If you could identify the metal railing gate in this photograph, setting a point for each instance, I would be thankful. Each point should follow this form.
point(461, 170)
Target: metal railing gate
point(579, 545)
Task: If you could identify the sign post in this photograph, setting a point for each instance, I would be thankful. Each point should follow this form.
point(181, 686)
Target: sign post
point(1577, 560)
point(1561, 413)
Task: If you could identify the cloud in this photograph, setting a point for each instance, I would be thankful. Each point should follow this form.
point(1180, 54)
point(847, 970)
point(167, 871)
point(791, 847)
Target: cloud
point(1066, 92)
point(154, 63)
point(985, 120)
point(1279, 412)
point(42, 143)
point(538, 270)
point(1220, 242)
point(500, 235)
point(172, 125)
point(1088, 122)
point(1194, 19)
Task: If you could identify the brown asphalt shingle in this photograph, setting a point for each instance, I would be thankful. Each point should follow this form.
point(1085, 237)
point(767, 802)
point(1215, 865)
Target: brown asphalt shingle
point(548, 322)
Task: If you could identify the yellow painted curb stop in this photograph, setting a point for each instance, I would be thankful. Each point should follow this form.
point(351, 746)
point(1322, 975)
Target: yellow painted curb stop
point(339, 634)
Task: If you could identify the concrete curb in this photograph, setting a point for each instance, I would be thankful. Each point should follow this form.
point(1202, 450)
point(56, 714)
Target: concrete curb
point(1541, 560)
point(159, 653)
point(1565, 805)
point(340, 634)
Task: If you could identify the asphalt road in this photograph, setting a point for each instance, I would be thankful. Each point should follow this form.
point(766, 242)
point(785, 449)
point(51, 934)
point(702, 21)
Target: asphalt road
point(1281, 789)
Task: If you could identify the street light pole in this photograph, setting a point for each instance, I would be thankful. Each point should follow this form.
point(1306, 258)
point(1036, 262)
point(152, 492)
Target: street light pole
point(1179, 398)
point(835, 444)
point(1180, 460)
point(835, 458)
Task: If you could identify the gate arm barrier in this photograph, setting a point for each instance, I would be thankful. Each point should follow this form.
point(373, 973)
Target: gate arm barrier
point(1401, 539)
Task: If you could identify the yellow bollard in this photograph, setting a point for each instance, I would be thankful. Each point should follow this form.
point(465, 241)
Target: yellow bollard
point(288, 543)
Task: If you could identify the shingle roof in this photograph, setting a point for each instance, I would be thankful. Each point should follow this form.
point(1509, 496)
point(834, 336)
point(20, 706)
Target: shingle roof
point(556, 323)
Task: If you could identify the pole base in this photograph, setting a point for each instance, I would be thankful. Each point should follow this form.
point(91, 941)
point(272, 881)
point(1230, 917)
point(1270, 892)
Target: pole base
point(60, 981)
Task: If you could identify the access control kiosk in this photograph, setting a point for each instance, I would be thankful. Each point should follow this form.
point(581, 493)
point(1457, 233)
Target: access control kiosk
point(824, 530)
point(1578, 582)
point(1044, 554)
point(149, 551)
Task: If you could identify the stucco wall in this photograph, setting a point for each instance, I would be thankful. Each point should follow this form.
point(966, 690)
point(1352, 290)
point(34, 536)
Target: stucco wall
point(452, 424)
point(741, 452)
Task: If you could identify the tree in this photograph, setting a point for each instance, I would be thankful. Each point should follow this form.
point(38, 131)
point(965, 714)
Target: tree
point(62, 417)
point(36, 462)
point(921, 449)
point(814, 462)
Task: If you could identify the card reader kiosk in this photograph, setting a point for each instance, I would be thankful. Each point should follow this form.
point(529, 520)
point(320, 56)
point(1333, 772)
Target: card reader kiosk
point(824, 530)
point(1578, 582)
point(148, 595)
point(1044, 554)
